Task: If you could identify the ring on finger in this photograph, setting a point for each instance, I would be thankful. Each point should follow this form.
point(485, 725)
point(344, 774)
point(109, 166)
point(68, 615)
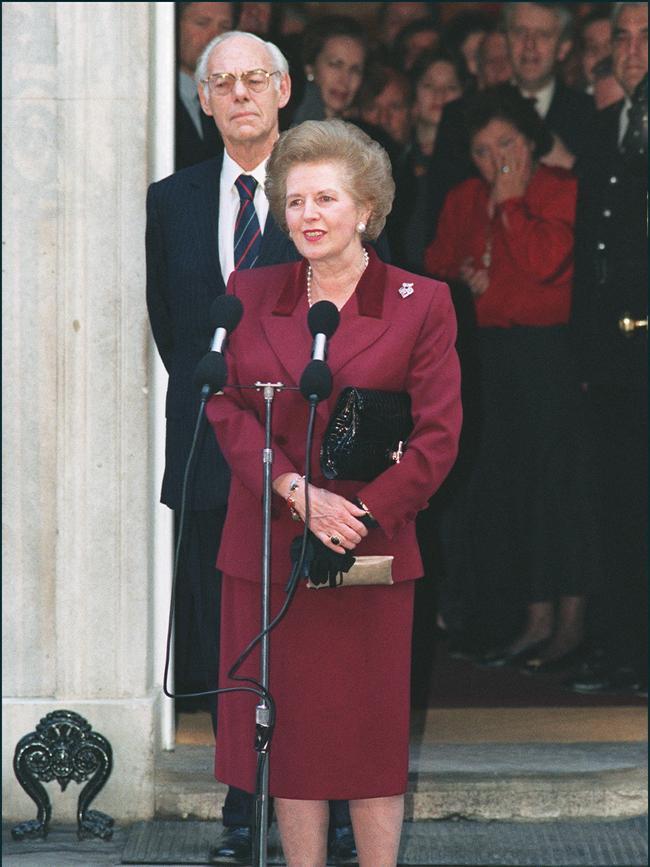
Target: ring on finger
point(335, 540)
point(505, 170)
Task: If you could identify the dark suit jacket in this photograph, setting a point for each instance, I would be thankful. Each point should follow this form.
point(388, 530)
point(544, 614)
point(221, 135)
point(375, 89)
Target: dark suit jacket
point(183, 279)
point(571, 116)
point(190, 148)
point(383, 341)
point(611, 260)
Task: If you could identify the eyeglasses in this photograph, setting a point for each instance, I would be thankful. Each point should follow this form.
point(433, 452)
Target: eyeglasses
point(222, 83)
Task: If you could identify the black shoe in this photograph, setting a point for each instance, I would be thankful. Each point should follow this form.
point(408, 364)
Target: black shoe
point(505, 656)
point(596, 678)
point(341, 847)
point(537, 665)
point(235, 846)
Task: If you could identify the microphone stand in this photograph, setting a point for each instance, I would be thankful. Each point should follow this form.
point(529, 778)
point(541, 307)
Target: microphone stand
point(262, 711)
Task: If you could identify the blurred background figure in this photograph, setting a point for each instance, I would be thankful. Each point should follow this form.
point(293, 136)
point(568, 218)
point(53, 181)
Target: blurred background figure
point(196, 136)
point(334, 53)
point(393, 17)
point(538, 36)
point(592, 43)
point(418, 37)
point(294, 19)
point(606, 89)
point(493, 60)
point(437, 79)
point(610, 328)
point(259, 18)
point(539, 40)
point(518, 541)
point(463, 35)
point(385, 102)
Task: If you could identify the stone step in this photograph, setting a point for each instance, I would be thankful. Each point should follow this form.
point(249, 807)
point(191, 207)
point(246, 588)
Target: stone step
point(491, 781)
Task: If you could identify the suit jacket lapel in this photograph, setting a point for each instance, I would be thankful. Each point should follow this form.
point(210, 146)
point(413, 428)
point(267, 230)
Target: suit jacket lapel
point(357, 332)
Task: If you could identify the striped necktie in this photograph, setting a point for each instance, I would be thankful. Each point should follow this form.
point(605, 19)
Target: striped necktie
point(248, 235)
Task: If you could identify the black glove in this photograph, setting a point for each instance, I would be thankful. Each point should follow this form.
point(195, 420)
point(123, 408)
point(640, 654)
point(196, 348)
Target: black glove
point(321, 564)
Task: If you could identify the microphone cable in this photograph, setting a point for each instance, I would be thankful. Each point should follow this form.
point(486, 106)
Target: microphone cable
point(292, 584)
point(257, 687)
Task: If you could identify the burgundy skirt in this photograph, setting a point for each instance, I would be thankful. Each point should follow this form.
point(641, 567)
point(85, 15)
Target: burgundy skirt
point(339, 672)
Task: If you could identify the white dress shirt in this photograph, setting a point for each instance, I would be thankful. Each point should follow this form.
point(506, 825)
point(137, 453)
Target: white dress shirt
point(543, 98)
point(624, 119)
point(229, 208)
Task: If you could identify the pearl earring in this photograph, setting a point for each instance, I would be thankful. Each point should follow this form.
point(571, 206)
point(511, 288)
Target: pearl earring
point(361, 227)
point(310, 76)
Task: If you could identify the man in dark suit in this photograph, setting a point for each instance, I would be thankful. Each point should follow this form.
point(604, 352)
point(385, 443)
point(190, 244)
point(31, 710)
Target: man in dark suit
point(539, 38)
point(610, 325)
point(196, 136)
point(193, 233)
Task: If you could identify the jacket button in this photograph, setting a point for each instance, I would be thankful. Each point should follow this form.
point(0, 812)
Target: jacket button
point(613, 179)
point(607, 213)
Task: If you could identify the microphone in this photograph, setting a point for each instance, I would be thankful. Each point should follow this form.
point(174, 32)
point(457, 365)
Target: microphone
point(211, 372)
point(225, 315)
point(323, 320)
point(316, 381)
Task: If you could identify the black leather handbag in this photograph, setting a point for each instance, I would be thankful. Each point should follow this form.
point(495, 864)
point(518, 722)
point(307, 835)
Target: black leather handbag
point(366, 434)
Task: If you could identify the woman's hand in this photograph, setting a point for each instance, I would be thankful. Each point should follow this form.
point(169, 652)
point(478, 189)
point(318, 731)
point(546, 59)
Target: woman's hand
point(513, 173)
point(477, 279)
point(330, 515)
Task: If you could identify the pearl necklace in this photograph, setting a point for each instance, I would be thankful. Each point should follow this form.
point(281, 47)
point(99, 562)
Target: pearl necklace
point(366, 260)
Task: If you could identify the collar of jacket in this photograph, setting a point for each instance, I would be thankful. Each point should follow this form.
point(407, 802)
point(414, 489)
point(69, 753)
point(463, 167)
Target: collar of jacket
point(369, 291)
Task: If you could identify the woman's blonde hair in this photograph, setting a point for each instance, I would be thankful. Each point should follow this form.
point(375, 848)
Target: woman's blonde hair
point(366, 172)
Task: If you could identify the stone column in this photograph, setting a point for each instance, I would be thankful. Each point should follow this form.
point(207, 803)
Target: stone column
point(78, 595)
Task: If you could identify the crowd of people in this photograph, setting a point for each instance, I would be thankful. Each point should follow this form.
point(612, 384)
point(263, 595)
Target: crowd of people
point(516, 139)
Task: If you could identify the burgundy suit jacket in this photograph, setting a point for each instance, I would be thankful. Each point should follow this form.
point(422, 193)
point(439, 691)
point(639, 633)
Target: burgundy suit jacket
point(384, 341)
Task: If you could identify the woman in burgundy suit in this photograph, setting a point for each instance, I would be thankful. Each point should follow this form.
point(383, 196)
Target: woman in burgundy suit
point(339, 661)
point(519, 533)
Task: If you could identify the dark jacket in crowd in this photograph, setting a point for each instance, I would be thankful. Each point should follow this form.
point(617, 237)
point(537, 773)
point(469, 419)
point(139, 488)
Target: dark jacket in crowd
point(611, 259)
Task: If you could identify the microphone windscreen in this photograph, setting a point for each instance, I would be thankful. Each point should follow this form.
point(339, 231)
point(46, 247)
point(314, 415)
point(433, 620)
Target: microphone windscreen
point(316, 380)
point(226, 312)
point(323, 318)
point(211, 370)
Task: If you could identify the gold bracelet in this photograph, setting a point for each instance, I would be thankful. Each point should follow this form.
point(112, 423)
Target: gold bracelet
point(291, 502)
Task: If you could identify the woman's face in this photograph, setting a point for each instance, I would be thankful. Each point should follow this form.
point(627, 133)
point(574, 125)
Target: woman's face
point(492, 145)
point(438, 86)
point(338, 72)
point(321, 214)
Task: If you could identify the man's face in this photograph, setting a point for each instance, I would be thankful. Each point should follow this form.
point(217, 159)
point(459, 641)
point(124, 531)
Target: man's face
point(417, 44)
point(495, 65)
point(393, 112)
point(244, 117)
point(535, 45)
point(255, 18)
point(597, 38)
point(199, 24)
point(630, 47)
point(399, 15)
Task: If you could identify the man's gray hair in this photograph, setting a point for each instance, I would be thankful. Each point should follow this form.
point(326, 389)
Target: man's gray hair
point(617, 8)
point(560, 10)
point(277, 57)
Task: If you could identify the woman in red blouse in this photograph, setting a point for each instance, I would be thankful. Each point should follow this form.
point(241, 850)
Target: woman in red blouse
point(517, 534)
